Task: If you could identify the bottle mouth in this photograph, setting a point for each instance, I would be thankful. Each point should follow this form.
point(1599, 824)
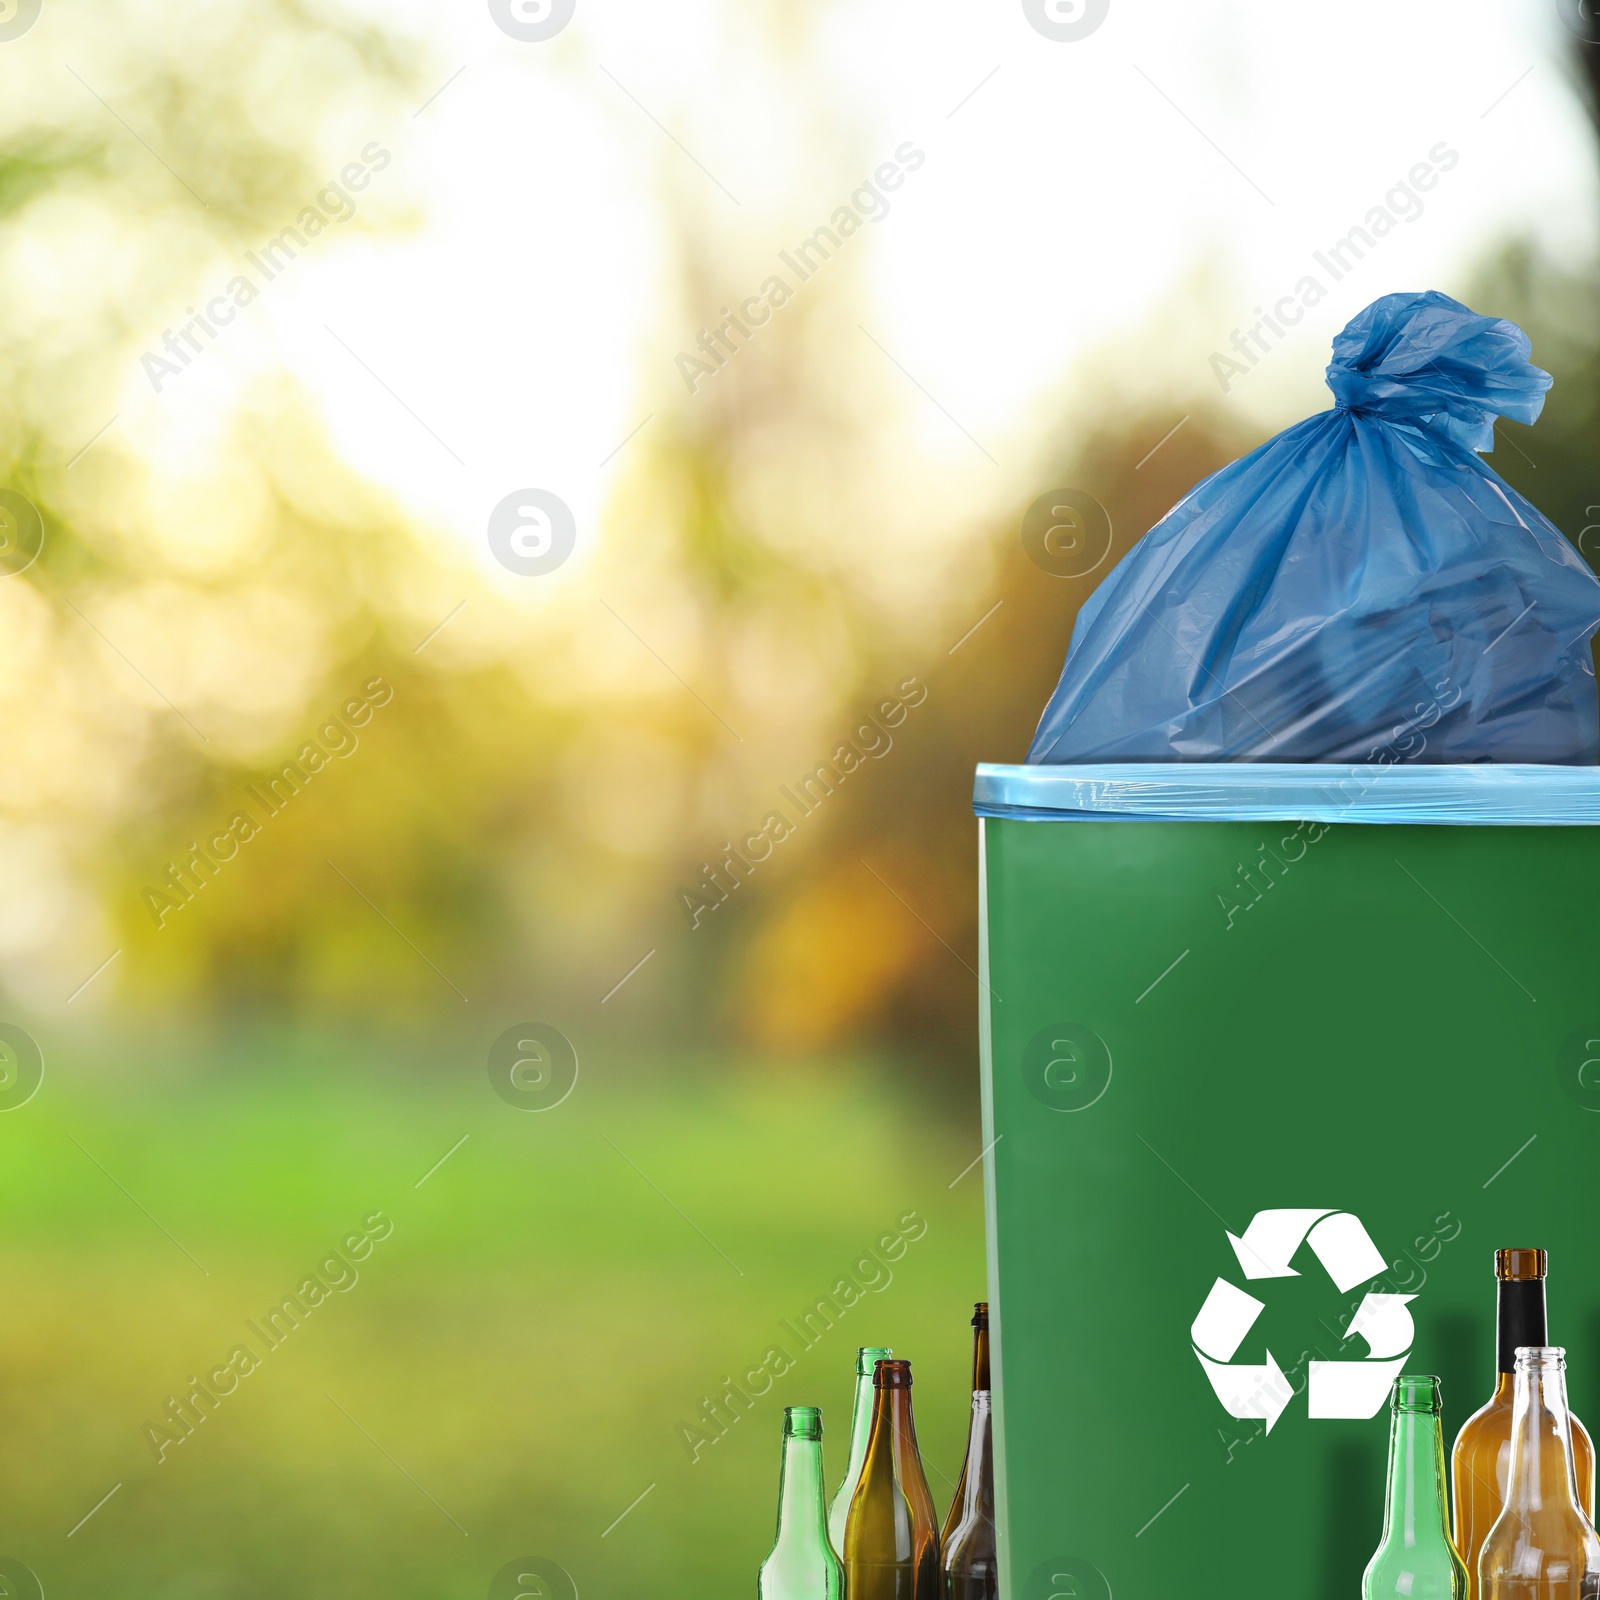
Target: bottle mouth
point(1541, 1358)
point(980, 1314)
point(1417, 1392)
point(802, 1422)
point(868, 1356)
point(1520, 1266)
point(892, 1375)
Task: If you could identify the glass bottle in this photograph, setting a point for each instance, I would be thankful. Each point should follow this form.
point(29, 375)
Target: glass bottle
point(867, 1357)
point(1482, 1455)
point(1542, 1546)
point(980, 1380)
point(891, 1539)
point(971, 1563)
point(1415, 1557)
point(802, 1565)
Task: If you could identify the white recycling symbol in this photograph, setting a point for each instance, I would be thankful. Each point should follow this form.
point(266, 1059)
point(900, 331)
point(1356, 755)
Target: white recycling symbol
point(1333, 1388)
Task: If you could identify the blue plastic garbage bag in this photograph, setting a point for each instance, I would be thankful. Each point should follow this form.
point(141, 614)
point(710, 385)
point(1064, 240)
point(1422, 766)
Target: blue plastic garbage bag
point(1360, 588)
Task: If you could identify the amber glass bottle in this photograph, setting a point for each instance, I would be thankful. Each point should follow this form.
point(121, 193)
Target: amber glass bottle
point(891, 1540)
point(1481, 1462)
point(980, 1380)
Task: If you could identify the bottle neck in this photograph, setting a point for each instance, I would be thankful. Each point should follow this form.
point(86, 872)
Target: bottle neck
point(892, 1440)
point(1541, 1472)
point(860, 1426)
point(1416, 1512)
point(800, 1513)
point(978, 1476)
point(980, 1356)
point(1520, 1320)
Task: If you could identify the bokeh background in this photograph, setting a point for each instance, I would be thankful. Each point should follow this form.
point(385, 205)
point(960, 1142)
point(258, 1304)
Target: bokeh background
point(294, 297)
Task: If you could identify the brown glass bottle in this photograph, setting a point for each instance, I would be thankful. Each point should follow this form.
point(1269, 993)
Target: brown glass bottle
point(1480, 1464)
point(891, 1540)
point(980, 1380)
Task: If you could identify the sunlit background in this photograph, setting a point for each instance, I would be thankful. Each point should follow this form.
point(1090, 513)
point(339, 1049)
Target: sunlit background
point(295, 297)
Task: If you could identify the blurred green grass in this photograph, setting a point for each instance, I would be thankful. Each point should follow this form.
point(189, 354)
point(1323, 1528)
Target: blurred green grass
point(508, 1374)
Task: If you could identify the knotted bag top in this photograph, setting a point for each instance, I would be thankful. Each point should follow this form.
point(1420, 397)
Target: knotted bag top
point(1361, 588)
point(1425, 360)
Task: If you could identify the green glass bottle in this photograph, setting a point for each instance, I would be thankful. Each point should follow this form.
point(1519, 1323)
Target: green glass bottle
point(802, 1565)
point(867, 1357)
point(891, 1537)
point(1415, 1560)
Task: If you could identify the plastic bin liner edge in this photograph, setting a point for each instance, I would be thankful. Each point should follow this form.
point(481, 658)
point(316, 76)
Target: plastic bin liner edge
point(1488, 794)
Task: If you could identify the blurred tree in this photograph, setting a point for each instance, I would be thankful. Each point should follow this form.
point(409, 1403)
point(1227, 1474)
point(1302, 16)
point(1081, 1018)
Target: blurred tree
point(527, 804)
point(517, 815)
point(874, 931)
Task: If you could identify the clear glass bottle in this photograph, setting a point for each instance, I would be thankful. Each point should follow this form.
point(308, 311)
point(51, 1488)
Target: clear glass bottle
point(891, 1537)
point(980, 1380)
point(867, 1357)
point(1542, 1546)
point(1482, 1455)
point(971, 1562)
point(1415, 1559)
point(802, 1565)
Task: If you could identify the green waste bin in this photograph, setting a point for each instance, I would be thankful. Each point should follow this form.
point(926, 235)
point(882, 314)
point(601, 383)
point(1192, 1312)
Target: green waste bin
point(1267, 1050)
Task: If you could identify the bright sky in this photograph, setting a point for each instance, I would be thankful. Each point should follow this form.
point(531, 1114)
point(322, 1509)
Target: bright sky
point(1072, 195)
